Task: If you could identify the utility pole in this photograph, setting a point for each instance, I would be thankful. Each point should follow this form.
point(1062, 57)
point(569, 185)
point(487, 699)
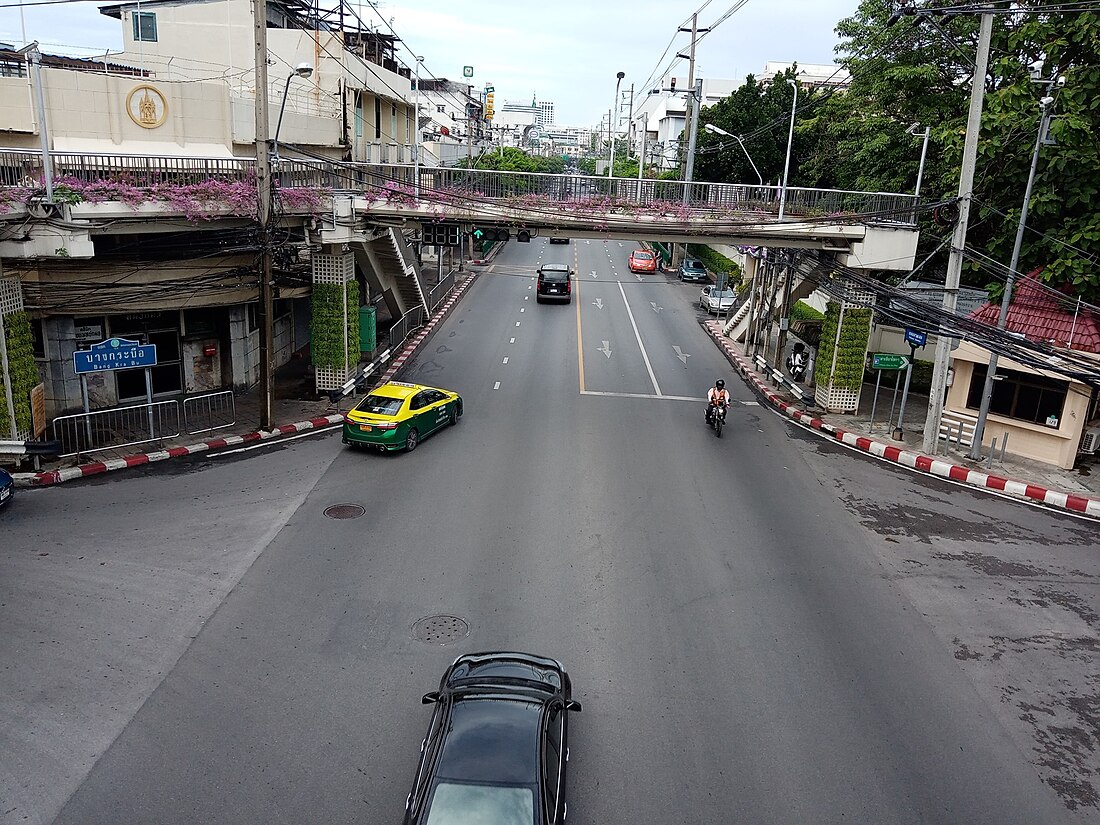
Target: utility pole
point(785, 306)
point(263, 184)
point(958, 239)
point(1006, 298)
point(689, 166)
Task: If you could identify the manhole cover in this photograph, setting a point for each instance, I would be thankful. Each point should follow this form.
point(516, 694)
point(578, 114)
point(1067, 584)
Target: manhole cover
point(439, 630)
point(345, 511)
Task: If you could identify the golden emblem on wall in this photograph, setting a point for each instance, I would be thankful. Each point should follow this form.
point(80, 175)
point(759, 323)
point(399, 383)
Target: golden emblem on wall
point(146, 106)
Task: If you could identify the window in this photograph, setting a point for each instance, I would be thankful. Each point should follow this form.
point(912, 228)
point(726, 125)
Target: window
point(1019, 395)
point(393, 121)
point(379, 405)
point(145, 26)
point(456, 803)
point(359, 116)
point(377, 119)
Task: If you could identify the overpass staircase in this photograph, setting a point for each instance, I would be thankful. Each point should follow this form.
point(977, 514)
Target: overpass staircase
point(806, 278)
point(394, 263)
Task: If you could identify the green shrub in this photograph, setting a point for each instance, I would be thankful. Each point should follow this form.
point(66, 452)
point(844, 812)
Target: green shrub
point(851, 347)
point(801, 311)
point(716, 262)
point(326, 336)
point(23, 370)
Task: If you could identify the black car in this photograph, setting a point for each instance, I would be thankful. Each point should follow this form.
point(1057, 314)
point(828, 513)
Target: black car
point(558, 239)
point(692, 270)
point(554, 283)
point(7, 487)
point(497, 745)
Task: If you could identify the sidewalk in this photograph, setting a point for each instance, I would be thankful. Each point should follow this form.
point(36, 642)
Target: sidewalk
point(1075, 490)
point(295, 401)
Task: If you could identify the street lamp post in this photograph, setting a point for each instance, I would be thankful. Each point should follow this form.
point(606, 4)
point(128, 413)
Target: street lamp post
point(790, 141)
point(1006, 298)
point(611, 124)
point(302, 70)
point(714, 130)
point(912, 130)
point(416, 136)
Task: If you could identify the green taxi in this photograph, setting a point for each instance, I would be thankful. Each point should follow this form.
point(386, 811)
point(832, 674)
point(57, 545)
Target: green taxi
point(397, 416)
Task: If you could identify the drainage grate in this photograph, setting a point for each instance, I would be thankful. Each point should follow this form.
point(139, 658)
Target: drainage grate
point(345, 511)
point(440, 630)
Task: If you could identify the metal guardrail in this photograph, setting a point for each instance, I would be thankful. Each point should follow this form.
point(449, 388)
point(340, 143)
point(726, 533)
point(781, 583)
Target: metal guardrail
point(212, 411)
point(117, 427)
point(403, 327)
point(23, 167)
point(440, 291)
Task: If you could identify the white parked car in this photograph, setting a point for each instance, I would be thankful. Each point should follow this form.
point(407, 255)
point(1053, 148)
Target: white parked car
point(716, 300)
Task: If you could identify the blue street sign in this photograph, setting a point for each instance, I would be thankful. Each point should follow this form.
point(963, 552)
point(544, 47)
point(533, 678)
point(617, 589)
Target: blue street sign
point(115, 354)
point(916, 338)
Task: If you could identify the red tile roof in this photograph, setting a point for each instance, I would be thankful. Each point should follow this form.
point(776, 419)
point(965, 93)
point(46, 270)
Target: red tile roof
point(1040, 315)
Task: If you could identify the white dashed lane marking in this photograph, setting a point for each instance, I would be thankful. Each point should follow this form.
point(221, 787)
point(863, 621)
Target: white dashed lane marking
point(505, 360)
point(496, 386)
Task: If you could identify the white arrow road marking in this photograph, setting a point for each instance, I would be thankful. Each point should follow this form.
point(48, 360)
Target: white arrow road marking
point(620, 243)
point(656, 308)
point(641, 346)
point(598, 303)
point(606, 349)
point(496, 386)
point(683, 356)
point(512, 341)
point(593, 274)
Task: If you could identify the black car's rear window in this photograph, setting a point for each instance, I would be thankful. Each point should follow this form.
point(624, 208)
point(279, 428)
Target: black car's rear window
point(555, 275)
point(379, 405)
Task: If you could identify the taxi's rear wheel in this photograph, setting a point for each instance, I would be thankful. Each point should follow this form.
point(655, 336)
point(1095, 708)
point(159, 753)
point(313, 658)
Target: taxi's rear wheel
point(412, 439)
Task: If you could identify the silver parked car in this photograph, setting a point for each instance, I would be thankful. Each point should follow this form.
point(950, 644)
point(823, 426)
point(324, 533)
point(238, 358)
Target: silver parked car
point(716, 300)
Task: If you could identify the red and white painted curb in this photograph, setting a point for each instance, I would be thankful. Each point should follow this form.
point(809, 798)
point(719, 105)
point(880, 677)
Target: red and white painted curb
point(96, 467)
point(907, 458)
point(325, 422)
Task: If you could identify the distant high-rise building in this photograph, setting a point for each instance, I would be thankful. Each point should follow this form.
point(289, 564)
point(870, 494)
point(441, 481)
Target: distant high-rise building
point(546, 113)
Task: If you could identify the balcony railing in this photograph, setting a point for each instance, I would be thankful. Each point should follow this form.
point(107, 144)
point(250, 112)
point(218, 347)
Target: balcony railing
point(392, 172)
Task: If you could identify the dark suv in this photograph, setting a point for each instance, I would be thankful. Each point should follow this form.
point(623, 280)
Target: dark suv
point(497, 744)
point(554, 283)
point(692, 270)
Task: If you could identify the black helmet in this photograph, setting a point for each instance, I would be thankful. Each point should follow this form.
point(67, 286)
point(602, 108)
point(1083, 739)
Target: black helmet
point(720, 384)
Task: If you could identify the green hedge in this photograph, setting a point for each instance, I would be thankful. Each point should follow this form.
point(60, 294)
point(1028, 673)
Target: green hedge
point(716, 262)
point(326, 337)
point(852, 347)
point(801, 311)
point(23, 370)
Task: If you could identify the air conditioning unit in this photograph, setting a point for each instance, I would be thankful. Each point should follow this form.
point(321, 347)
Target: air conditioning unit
point(1091, 442)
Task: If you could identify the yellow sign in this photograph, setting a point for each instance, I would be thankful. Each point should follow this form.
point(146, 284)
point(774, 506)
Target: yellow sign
point(146, 106)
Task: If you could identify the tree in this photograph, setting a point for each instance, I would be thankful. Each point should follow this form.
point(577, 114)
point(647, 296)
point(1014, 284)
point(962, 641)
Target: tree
point(920, 71)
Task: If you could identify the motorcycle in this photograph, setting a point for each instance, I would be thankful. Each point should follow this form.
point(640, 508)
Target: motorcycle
point(797, 362)
point(716, 417)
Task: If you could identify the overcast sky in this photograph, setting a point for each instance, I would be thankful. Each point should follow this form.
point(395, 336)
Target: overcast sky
point(566, 51)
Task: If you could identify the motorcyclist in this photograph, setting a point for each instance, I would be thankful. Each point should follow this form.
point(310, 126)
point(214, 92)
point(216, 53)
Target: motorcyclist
point(717, 397)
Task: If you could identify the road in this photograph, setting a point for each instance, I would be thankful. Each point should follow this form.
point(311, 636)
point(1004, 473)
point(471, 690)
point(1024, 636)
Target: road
point(762, 628)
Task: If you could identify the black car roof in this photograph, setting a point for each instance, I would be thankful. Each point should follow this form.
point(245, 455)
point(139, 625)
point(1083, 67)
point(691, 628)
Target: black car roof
point(556, 267)
point(491, 739)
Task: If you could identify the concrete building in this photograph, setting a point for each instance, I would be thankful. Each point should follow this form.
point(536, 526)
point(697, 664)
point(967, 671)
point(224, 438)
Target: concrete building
point(546, 113)
point(452, 128)
point(660, 117)
point(809, 75)
point(182, 273)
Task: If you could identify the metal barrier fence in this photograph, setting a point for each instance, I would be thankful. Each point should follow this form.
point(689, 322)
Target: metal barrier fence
point(117, 427)
point(213, 411)
point(440, 291)
point(443, 184)
point(404, 326)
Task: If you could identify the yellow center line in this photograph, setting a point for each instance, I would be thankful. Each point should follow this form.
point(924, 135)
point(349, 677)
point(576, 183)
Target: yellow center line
point(580, 342)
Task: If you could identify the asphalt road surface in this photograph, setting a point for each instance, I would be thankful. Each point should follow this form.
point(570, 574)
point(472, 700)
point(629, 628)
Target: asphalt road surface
point(762, 628)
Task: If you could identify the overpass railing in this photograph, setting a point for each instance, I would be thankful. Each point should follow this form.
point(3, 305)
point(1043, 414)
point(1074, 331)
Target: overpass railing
point(23, 168)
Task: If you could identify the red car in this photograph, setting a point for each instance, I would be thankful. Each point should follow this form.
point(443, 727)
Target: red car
point(642, 260)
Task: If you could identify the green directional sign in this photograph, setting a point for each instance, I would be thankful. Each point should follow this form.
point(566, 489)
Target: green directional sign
point(889, 361)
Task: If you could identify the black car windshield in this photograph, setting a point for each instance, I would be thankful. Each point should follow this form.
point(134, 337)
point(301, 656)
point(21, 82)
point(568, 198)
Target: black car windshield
point(379, 405)
point(455, 803)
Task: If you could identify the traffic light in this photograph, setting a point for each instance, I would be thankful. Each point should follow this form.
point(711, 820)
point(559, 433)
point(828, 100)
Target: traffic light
point(489, 233)
point(523, 236)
